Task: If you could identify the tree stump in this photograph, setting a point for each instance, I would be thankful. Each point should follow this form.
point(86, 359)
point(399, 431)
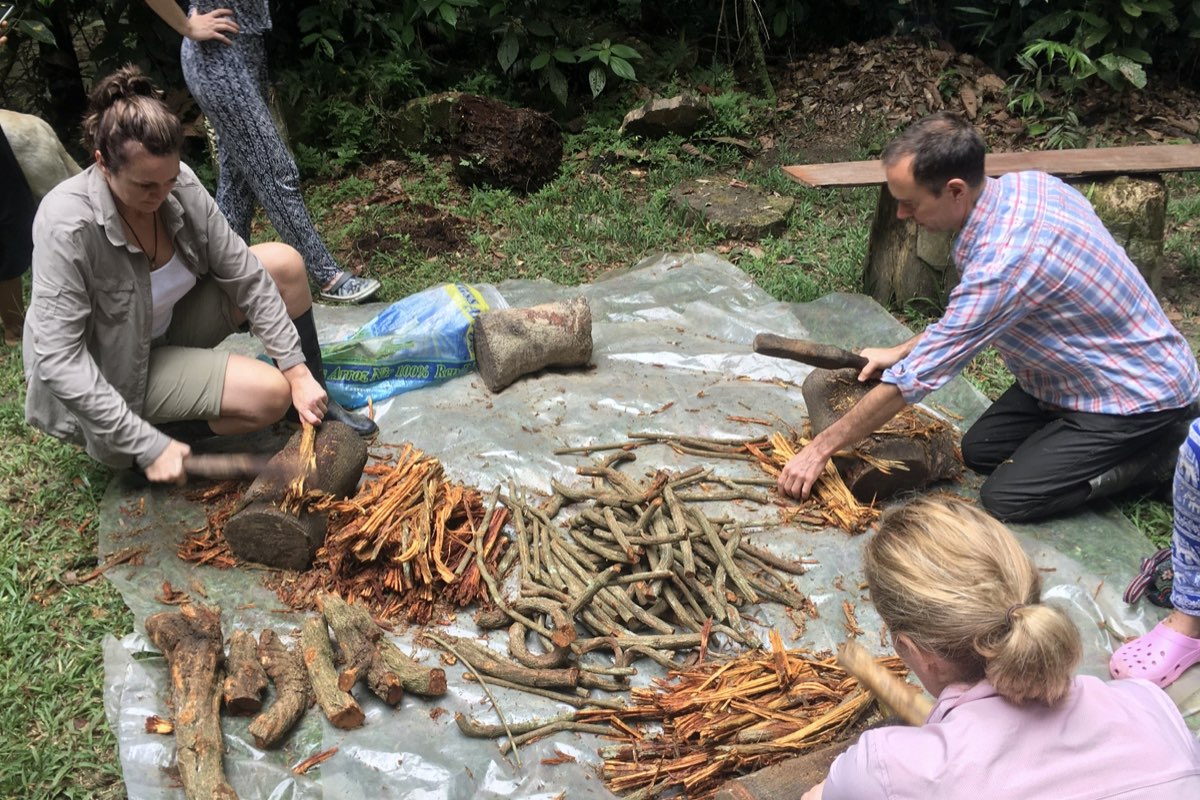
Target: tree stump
point(512, 342)
point(191, 641)
point(262, 533)
point(905, 264)
point(926, 448)
point(787, 779)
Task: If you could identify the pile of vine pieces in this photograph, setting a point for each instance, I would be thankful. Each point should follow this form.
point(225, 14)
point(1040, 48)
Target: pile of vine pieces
point(630, 565)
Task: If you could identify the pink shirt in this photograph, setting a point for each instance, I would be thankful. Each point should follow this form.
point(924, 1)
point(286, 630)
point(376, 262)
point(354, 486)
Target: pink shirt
point(1120, 739)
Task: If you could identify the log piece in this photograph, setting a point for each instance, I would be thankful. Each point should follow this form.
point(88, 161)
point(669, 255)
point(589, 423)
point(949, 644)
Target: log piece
point(191, 641)
point(339, 706)
point(366, 650)
point(828, 394)
point(293, 694)
point(245, 679)
point(512, 342)
point(260, 532)
point(786, 779)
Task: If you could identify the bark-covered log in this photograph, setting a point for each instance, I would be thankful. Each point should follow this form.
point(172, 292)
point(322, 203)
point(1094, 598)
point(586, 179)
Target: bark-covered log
point(262, 533)
point(293, 695)
point(192, 643)
point(389, 672)
point(341, 709)
point(245, 679)
point(356, 645)
point(925, 457)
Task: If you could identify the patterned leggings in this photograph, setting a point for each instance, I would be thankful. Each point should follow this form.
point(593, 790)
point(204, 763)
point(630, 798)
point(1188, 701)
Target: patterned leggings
point(229, 84)
point(1185, 544)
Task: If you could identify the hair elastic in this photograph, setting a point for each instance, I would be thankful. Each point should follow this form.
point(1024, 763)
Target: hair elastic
point(1012, 610)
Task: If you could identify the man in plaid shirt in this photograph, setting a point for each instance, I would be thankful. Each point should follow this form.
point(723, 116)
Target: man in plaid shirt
point(1104, 383)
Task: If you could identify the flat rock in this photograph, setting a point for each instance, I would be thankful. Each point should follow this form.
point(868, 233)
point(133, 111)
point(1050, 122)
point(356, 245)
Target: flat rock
point(745, 212)
point(682, 115)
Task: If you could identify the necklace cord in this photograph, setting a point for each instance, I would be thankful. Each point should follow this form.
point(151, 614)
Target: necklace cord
point(152, 258)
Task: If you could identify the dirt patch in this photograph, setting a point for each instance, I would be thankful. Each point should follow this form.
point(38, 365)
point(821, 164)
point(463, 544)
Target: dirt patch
point(844, 96)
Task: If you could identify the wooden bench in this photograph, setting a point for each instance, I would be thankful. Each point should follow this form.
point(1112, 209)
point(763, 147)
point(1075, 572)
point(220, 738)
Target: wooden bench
point(905, 263)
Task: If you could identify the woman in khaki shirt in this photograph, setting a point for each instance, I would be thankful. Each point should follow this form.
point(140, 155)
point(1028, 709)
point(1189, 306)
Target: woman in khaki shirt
point(136, 277)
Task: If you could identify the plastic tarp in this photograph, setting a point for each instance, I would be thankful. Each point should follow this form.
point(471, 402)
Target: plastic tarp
point(672, 355)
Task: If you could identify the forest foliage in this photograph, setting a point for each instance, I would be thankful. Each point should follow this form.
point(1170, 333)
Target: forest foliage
point(362, 59)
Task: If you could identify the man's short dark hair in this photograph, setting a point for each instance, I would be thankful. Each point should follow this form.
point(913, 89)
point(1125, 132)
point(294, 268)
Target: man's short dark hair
point(944, 146)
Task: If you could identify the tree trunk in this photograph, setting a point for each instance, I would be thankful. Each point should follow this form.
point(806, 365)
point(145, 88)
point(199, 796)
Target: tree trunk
point(262, 533)
point(63, 76)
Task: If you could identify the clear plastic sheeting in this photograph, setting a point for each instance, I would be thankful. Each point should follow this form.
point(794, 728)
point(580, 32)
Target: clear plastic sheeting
point(672, 355)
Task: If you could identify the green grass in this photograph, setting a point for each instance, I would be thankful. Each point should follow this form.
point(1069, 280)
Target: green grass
point(609, 207)
point(57, 743)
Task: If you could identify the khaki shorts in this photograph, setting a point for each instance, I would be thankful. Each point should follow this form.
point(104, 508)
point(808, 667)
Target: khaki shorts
point(186, 376)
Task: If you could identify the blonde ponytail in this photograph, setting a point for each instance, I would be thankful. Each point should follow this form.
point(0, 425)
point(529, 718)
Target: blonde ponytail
point(958, 584)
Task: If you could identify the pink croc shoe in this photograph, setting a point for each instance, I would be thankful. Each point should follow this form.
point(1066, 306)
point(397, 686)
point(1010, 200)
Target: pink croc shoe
point(1160, 656)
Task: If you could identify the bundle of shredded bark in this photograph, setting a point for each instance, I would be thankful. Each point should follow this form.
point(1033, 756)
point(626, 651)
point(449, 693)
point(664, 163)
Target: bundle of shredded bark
point(722, 719)
point(402, 543)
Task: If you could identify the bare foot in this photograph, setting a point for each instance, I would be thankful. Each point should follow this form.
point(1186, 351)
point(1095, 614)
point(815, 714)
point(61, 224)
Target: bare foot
point(1183, 623)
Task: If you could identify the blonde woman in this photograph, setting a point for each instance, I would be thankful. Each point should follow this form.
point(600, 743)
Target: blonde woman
point(963, 603)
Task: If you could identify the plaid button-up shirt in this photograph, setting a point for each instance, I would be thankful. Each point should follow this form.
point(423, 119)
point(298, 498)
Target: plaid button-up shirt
point(1044, 282)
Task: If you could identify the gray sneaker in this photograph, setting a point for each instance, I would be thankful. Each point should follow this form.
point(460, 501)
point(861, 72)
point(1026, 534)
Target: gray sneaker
point(350, 289)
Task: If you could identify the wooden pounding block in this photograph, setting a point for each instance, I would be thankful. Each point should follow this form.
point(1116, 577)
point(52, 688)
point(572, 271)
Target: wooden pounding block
point(260, 532)
point(786, 780)
point(829, 394)
point(512, 342)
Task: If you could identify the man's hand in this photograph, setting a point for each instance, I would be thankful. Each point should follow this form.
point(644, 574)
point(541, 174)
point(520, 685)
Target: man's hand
point(3, 33)
point(815, 793)
point(214, 25)
point(880, 358)
point(800, 474)
point(168, 467)
point(308, 397)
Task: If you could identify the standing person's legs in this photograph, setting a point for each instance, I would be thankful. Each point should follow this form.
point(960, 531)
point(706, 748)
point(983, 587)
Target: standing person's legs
point(221, 78)
point(1173, 646)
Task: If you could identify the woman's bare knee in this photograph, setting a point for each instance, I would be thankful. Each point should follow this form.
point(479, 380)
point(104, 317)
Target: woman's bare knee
point(255, 395)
